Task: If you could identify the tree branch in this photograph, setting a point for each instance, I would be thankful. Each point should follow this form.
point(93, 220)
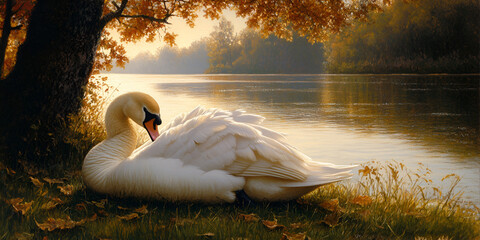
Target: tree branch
point(112, 15)
point(153, 19)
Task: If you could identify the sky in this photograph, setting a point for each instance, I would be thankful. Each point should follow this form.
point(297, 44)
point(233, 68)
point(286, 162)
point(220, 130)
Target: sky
point(186, 35)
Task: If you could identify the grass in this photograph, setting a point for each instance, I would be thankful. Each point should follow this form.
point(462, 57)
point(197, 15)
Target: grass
point(337, 211)
point(388, 202)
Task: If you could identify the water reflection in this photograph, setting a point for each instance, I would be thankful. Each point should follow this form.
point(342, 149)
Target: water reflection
point(439, 111)
point(346, 118)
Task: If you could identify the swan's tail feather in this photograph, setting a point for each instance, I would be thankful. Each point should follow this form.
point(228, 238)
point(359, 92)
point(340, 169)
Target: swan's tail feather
point(324, 173)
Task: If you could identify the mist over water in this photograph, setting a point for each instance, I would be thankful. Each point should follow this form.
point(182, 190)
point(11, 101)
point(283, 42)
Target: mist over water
point(346, 119)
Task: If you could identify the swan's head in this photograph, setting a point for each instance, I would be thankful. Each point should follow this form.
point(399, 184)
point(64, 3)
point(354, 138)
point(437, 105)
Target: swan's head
point(144, 111)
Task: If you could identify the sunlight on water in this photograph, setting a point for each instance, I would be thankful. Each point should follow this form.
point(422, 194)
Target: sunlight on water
point(348, 119)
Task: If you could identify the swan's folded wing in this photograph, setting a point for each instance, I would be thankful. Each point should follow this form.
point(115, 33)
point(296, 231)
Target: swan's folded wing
point(233, 141)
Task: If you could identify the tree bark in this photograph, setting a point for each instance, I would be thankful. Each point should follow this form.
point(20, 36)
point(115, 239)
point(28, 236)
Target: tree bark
point(47, 83)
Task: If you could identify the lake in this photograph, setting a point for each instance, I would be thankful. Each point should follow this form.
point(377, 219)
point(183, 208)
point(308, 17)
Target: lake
point(345, 119)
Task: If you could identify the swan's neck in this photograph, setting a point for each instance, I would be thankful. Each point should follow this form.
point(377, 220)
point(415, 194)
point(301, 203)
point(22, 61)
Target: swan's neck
point(117, 147)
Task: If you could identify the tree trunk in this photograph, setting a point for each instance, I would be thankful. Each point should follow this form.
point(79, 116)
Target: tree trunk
point(47, 83)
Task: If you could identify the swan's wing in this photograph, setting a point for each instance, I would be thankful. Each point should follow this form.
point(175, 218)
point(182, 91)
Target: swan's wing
point(232, 141)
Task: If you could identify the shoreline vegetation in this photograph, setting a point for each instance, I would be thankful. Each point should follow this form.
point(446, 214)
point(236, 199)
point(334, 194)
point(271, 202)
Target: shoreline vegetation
point(388, 202)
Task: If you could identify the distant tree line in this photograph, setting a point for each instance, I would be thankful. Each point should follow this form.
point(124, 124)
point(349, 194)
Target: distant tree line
point(414, 36)
point(423, 36)
point(250, 53)
point(170, 60)
point(225, 52)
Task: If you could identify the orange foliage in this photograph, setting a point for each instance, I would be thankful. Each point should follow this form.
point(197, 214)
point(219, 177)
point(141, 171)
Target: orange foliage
point(21, 10)
point(134, 20)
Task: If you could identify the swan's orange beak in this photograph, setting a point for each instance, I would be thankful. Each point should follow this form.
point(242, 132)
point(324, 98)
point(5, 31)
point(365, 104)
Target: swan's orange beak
point(152, 128)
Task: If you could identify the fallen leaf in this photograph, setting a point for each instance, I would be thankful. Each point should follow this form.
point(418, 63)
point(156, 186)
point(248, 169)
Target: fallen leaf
point(362, 200)
point(252, 217)
point(123, 208)
point(331, 219)
point(365, 213)
point(58, 223)
point(294, 236)
point(100, 204)
point(14, 200)
point(81, 206)
point(42, 192)
point(272, 225)
point(23, 236)
point(52, 181)
point(67, 189)
point(128, 217)
point(10, 171)
point(18, 206)
point(207, 235)
point(330, 205)
point(52, 203)
point(49, 205)
point(90, 219)
point(142, 209)
point(297, 225)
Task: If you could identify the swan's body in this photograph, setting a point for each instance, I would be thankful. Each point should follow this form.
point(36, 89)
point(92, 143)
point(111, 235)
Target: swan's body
point(204, 155)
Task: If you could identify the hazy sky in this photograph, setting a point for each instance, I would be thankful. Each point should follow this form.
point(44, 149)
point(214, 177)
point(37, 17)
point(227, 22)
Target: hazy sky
point(186, 35)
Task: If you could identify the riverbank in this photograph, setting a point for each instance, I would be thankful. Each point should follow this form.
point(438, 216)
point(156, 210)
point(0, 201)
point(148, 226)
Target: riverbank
point(36, 204)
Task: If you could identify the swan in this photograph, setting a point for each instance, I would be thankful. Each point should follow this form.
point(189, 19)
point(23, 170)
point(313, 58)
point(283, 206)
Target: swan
point(205, 155)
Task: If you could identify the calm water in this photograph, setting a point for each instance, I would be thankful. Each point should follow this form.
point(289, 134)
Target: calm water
point(346, 119)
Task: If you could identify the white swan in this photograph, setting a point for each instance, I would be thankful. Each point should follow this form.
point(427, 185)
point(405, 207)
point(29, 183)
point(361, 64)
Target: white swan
point(205, 155)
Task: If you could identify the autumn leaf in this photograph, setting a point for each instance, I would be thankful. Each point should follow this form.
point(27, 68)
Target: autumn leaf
point(128, 217)
point(51, 204)
point(123, 208)
point(142, 209)
point(252, 217)
point(36, 182)
point(206, 235)
point(100, 204)
point(10, 171)
point(272, 225)
point(331, 205)
point(297, 225)
point(362, 200)
point(294, 236)
point(364, 214)
point(67, 189)
point(23, 236)
point(58, 223)
point(52, 181)
point(331, 219)
point(18, 206)
point(14, 200)
point(90, 219)
point(81, 206)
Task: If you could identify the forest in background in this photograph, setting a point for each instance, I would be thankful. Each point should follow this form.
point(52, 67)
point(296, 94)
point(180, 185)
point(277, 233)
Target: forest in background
point(424, 36)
